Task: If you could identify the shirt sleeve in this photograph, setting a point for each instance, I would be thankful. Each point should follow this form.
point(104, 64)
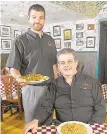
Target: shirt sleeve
point(15, 57)
point(45, 110)
point(99, 105)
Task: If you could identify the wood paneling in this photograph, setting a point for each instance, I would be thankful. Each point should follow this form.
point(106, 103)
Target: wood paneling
point(89, 60)
point(3, 60)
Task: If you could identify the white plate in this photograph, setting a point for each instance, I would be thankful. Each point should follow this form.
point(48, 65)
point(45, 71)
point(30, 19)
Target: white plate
point(35, 82)
point(89, 129)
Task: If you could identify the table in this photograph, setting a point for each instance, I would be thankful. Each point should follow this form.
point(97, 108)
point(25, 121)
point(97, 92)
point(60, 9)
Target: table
point(97, 129)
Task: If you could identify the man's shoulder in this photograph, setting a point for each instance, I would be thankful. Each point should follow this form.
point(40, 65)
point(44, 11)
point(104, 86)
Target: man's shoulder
point(88, 77)
point(23, 39)
point(48, 36)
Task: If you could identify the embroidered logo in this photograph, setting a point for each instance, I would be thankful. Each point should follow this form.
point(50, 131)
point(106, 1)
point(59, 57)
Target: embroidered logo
point(50, 43)
point(85, 86)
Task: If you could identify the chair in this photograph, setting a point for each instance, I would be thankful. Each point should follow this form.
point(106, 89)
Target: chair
point(10, 93)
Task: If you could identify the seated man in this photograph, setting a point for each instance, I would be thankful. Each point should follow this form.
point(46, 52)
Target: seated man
point(75, 96)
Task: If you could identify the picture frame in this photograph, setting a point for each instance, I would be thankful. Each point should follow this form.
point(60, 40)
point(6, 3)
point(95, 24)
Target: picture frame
point(5, 31)
point(48, 33)
point(80, 26)
point(67, 44)
point(6, 44)
point(17, 33)
point(79, 34)
point(79, 42)
point(56, 31)
point(91, 27)
point(67, 34)
point(58, 43)
point(90, 42)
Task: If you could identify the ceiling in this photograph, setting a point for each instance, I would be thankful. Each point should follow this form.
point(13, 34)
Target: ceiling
point(15, 12)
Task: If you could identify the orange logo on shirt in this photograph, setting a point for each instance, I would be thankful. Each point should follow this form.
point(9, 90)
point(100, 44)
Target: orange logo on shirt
point(50, 43)
point(85, 86)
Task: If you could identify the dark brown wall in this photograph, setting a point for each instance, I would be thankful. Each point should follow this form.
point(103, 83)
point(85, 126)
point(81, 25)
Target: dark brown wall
point(89, 59)
point(3, 60)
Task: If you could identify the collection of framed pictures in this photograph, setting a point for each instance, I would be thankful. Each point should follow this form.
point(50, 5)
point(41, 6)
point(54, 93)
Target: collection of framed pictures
point(67, 35)
point(5, 31)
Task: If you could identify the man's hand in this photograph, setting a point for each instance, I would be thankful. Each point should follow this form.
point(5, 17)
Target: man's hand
point(21, 82)
point(31, 126)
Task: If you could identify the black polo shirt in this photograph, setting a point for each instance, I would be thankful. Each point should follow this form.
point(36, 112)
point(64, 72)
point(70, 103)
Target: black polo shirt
point(82, 101)
point(32, 54)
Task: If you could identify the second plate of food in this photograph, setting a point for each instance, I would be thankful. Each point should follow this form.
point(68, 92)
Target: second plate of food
point(74, 127)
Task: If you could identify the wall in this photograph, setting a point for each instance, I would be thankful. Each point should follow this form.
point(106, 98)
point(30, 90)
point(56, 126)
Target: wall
point(89, 28)
point(82, 33)
point(13, 28)
point(75, 26)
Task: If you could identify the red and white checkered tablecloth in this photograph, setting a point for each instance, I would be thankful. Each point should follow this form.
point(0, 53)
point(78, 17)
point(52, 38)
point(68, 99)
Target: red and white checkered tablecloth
point(97, 129)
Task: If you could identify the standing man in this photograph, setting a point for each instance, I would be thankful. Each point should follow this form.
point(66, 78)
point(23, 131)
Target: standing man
point(33, 52)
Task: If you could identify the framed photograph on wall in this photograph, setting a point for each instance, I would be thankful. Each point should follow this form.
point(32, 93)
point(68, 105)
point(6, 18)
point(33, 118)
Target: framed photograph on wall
point(90, 42)
point(5, 31)
point(67, 44)
point(17, 33)
point(80, 26)
point(56, 31)
point(79, 42)
point(91, 26)
point(67, 34)
point(79, 34)
point(58, 43)
point(6, 44)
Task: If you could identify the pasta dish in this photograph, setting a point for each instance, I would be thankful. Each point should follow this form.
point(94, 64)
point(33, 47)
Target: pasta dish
point(73, 128)
point(34, 77)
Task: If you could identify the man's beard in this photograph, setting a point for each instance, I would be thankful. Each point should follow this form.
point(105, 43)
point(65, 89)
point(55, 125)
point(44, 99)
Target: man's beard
point(37, 28)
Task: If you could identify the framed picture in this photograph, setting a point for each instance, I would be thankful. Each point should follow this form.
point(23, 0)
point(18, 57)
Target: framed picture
point(91, 27)
point(67, 34)
point(79, 34)
point(17, 33)
point(48, 33)
point(80, 26)
point(90, 42)
point(56, 31)
point(67, 44)
point(5, 31)
point(58, 43)
point(79, 42)
point(6, 44)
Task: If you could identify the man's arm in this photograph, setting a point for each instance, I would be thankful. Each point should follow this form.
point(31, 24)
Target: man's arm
point(55, 70)
point(17, 75)
point(47, 105)
point(44, 111)
point(99, 105)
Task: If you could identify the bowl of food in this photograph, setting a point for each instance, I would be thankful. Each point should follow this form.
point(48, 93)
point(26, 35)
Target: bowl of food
point(74, 127)
point(33, 78)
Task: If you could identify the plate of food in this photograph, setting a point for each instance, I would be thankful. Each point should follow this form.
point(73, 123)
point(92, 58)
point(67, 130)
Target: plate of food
point(74, 127)
point(33, 78)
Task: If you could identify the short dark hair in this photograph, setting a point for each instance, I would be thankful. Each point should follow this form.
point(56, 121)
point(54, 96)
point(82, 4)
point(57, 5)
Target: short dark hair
point(67, 51)
point(36, 7)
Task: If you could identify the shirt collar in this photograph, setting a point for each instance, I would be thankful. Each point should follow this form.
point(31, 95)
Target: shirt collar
point(32, 33)
point(75, 77)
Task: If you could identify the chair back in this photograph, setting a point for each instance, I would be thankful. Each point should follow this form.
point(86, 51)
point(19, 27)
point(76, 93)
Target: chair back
point(10, 87)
